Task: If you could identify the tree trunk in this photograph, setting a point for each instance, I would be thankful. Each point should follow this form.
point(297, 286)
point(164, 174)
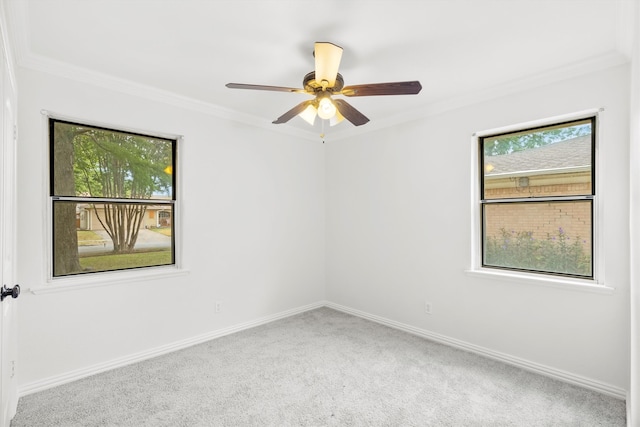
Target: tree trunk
point(65, 236)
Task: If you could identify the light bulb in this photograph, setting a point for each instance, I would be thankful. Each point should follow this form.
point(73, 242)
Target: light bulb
point(326, 109)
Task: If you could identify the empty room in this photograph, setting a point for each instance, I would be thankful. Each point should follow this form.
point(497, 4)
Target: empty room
point(320, 213)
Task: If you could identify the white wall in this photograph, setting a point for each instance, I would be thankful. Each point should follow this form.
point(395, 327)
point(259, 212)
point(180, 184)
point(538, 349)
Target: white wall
point(399, 227)
point(253, 218)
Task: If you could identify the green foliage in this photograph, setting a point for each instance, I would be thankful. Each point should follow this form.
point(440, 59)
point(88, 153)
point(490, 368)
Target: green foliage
point(555, 254)
point(510, 143)
point(120, 165)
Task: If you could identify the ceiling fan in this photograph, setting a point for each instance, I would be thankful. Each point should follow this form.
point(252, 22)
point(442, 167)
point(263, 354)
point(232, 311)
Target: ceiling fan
point(324, 82)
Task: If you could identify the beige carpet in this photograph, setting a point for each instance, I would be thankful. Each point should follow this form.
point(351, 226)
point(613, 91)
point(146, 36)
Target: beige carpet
point(319, 368)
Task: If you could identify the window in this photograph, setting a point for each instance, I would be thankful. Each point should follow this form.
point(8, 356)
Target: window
point(537, 191)
point(106, 187)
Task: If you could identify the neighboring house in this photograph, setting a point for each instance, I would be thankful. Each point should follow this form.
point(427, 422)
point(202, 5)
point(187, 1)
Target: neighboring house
point(154, 217)
point(567, 171)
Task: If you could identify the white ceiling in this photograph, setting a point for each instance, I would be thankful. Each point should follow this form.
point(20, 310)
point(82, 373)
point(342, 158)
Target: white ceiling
point(187, 50)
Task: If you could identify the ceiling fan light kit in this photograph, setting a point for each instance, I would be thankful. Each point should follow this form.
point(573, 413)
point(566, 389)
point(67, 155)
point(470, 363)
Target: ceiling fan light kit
point(324, 82)
point(309, 114)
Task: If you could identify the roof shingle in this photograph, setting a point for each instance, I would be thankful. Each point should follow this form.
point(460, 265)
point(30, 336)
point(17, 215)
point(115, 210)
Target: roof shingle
point(570, 153)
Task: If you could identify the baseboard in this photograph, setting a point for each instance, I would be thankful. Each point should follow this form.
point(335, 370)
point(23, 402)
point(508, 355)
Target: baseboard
point(528, 365)
point(558, 374)
point(78, 374)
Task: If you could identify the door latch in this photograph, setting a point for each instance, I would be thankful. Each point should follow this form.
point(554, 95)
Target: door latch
point(10, 292)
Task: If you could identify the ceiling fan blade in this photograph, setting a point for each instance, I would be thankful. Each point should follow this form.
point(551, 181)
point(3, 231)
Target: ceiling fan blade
point(374, 89)
point(328, 57)
point(293, 112)
point(350, 113)
point(264, 87)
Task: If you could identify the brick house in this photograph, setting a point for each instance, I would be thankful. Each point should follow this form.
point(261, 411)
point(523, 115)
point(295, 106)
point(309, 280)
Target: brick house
point(566, 171)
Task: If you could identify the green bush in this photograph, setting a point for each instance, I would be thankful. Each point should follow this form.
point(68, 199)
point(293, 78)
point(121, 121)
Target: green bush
point(555, 254)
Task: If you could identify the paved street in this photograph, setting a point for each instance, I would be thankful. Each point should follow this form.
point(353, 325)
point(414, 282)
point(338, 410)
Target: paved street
point(146, 239)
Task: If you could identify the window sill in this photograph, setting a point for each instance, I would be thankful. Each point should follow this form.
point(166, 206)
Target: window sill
point(580, 285)
point(94, 280)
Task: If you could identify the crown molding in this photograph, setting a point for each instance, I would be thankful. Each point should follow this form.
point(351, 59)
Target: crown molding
point(625, 28)
point(91, 77)
point(127, 87)
point(591, 65)
point(7, 45)
point(18, 16)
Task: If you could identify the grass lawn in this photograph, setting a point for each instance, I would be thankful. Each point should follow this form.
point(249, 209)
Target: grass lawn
point(89, 238)
point(120, 261)
point(164, 230)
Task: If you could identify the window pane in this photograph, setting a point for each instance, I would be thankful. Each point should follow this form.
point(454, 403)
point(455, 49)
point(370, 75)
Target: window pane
point(552, 237)
point(110, 236)
point(545, 162)
point(95, 162)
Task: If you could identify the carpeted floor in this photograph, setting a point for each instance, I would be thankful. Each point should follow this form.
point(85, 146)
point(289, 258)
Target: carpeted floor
point(319, 368)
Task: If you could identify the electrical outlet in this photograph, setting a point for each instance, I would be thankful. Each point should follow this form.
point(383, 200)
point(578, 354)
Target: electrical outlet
point(427, 307)
point(218, 306)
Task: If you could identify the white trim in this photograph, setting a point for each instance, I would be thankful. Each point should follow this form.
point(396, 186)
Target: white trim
point(519, 362)
point(625, 28)
point(8, 221)
point(106, 278)
point(474, 213)
point(558, 374)
point(633, 402)
point(8, 51)
point(96, 123)
point(547, 280)
point(78, 374)
point(47, 227)
point(126, 87)
point(595, 285)
point(547, 121)
point(591, 65)
point(598, 204)
point(178, 207)
point(18, 13)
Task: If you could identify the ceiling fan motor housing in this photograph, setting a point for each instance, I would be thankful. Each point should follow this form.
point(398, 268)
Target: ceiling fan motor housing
point(312, 86)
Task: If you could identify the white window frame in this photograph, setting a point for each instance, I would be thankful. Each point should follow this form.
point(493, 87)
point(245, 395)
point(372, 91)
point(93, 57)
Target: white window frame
point(595, 284)
point(82, 281)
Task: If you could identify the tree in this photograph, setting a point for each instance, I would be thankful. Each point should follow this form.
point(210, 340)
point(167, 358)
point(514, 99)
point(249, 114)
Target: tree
point(117, 165)
point(510, 143)
point(65, 241)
